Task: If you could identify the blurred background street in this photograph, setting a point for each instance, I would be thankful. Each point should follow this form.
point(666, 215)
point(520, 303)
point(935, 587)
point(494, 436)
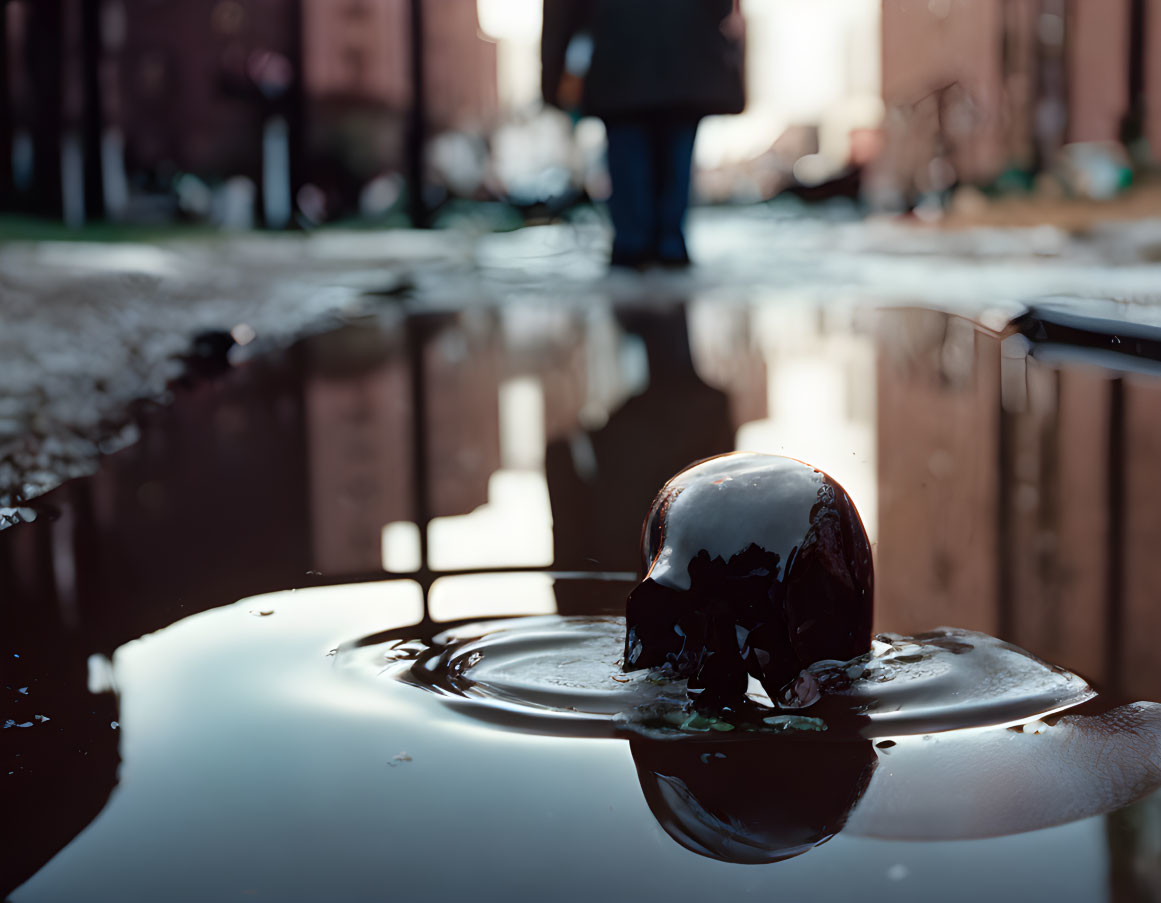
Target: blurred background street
point(189, 186)
point(295, 113)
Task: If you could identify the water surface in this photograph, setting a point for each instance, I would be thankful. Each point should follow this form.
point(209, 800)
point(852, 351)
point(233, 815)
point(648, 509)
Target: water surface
point(405, 471)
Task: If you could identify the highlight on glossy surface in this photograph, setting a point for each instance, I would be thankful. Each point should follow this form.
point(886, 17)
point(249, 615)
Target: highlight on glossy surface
point(753, 566)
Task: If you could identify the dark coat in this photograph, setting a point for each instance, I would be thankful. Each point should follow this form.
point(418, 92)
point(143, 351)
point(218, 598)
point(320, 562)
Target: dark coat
point(649, 56)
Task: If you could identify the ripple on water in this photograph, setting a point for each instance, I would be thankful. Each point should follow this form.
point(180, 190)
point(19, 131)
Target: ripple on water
point(563, 674)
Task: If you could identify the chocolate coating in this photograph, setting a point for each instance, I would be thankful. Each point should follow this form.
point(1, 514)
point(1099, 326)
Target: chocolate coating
point(753, 565)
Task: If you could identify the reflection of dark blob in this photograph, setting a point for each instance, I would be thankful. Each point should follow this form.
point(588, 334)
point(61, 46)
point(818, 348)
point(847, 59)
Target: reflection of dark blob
point(755, 565)
point(752, 800)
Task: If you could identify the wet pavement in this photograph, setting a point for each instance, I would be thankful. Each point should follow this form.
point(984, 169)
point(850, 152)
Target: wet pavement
point(182, 716)
point(93, 329)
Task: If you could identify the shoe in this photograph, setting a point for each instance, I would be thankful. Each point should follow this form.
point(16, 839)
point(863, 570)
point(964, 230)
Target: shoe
point(674, 263)
point(635, 261)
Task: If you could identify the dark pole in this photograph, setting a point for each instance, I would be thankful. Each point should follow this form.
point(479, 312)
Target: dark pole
point(1036, 81)
point(419, 330)
point(45, 28)
point(1115, 537)
point(296, 106)
point(6, 187)
point(1133, 122)
point(92, 122)
point(1050, 107)
point(417, 127)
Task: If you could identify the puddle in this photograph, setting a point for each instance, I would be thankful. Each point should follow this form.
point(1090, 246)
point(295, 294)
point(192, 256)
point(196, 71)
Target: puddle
point(396, 482)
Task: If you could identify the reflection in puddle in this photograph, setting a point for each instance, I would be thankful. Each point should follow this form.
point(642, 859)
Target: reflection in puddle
point(1015, 495)
point(822, 399)
point(289, 762)
point(512, 528)
point(743, 801)
point(491, 595)
point(1036, 490)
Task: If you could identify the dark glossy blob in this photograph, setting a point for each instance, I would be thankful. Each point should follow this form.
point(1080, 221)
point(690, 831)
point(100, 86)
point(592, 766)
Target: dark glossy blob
point(754, 565)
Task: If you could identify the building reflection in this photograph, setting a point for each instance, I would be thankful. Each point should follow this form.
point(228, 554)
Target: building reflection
point(282, 473)
point(602, 481)
point(1018, 494)
point(272, 475)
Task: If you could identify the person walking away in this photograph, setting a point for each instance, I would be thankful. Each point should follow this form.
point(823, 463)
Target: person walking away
point(657, 67)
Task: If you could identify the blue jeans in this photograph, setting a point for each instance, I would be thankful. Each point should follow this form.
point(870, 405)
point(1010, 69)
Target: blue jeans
point(650, 159)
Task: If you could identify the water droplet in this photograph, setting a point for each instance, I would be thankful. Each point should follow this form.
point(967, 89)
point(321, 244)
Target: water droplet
point(114, 724)
point(243, 334)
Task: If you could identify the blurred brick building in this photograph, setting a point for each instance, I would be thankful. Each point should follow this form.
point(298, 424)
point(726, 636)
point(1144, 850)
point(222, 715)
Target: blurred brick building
point(358, 87)
point(1018, 494)
point(188, 85)
point(974, 87)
